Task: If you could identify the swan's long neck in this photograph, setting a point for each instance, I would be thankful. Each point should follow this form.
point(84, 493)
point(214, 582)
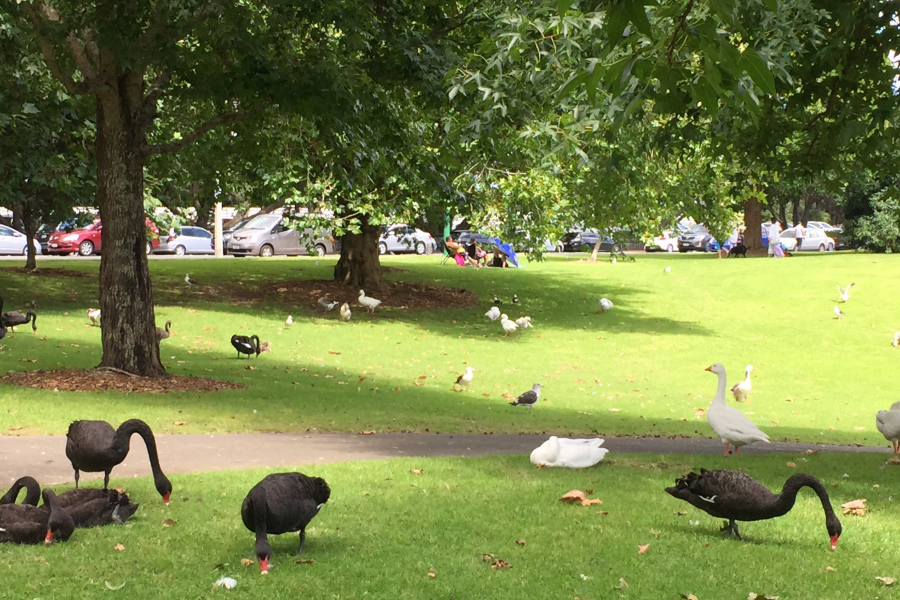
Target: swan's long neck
point(785, 500)
point(747, 376)
point(122, 441)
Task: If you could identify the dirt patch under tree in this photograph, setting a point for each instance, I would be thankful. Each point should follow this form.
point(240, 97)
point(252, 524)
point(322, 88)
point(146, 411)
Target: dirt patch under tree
point(103, 380)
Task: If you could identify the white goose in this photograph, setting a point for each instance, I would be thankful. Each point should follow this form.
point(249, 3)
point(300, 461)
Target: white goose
point(345, 312)
point(523, 322)
point(888, 423)
point(570, 453)
point(370, 303)
point(493, 314)
point(508, 325)
point(605, 304)
point(730, 424)
point(741, 390)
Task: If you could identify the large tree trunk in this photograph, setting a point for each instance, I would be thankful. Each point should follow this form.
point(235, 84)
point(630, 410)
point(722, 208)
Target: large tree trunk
point(29, 227)
point(358, 266)
point(753, 226)
point(126, 294)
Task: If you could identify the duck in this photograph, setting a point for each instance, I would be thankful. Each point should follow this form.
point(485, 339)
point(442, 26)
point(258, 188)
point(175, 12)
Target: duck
point(570, 453)
point(246, 345)
point(496, 301)
point(605, 304)
point(370, 303)
point(529, 398)
point(282, 503)
point(162, 334)
point(94, 446)
point(94, 315)
point(508, 325)
point(327, 303)
point(345, 312)
point(15, 318)
point(463, 381)
point(26, 524)
point(523, 322)
point(2, 327)
point(741, 390)
point(493, 314)
point(87, 507)
point(736, 496)
point(730, 424)
point(888, 423)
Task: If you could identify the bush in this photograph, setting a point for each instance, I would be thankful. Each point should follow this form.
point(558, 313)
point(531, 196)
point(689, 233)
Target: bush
point(880, 231)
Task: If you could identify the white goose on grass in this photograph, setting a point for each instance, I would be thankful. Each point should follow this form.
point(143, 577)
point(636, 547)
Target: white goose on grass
point(508, 325)
point(570, 453)
point(345, 312)
point(370, 303)
point(741, 390)
point(730, 424)
point(493, 314)
point(289, 321)
point(888, 423)
point(523, 322)
point(605, 304)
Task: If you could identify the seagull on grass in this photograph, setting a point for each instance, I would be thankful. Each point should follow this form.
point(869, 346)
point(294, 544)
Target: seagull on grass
point(838, 313)
point(289, 321)
point(188, 280)
point(493, 314)
point(463, 381)
point(845, 293)
point(667, 270)
point(529, 398)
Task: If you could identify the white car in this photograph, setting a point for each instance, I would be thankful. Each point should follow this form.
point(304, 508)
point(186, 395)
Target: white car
point(186, 240)
point(667, 242)
point(406, 238)
point(13, 242)
point(814, 240)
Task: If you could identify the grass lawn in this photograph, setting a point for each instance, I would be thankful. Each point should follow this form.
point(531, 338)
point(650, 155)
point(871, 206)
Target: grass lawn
point(637, 369)
point(385, 528)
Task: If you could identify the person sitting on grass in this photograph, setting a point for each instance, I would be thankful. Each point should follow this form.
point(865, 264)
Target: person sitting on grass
point(476, 253)
point(499, 259)
point(458, 253)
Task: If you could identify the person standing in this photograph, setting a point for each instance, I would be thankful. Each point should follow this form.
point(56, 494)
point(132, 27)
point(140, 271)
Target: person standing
point(799, 234)
point(774, 233)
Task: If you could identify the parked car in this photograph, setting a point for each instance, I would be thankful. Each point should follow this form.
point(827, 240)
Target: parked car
point(265, 235)
point(824, 225)
point(584, 241)
point(406, 238)
point(15, 242)
point(815, 240)
point(698, 238)
point(88, 240)
point(667, 242)
point(226, 234)
point(186, 240)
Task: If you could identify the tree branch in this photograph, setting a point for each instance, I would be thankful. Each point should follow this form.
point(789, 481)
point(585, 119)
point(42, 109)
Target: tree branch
point(148, 107)
point(74, 87)
point(681, 25)
point(224, 119)
point(81, 60)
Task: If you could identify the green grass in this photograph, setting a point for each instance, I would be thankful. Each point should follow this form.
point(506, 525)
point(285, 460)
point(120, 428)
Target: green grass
point(635, 370)
point(385, 528)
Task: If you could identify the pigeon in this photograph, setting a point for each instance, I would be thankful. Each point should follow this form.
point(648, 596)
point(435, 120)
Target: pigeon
point(463, 381)
point(508, 326)
point(515, 299)
point(497, 301)
point(189, 281)
point(327, 303)
point(605, 304)
point(345, 312)
point(667, 270)
point(523, 322)
point(529, 398)
point(493, 314)
point(838, 313)
point(370, 303)
point(289, 321)
point(896, 339)
point(845, 293)
point(94, 315)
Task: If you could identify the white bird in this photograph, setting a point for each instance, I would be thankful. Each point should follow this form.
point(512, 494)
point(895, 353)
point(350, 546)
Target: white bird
point(667, 269)
point(730, 424)
point(741, 390)
point(838, 313)
point(463, 381)
point(570, 453)
point(888, 423)
point(845, 293)
point(370, 303)
point(523, 322)
point(317, 263)
point(289, 321)
point(94, 315)
point(508, 325)
point(327, 303)
point(188, 280)
point(896, 339)
point(605, 304)
point(529, 398)
point(345, 312)
point(493, 314)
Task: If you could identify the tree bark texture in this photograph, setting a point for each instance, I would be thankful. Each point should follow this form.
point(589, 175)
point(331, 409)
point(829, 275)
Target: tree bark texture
point(753, 226)
point(358, 266)
point(29, 227)
point(126, 294)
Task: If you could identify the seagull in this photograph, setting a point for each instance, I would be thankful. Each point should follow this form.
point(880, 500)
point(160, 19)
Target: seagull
point(508, 326)
point(523, 322)
point(667, 269)
point(845, 293)
point(327, 303)
point(370, 303)
point(345, 312)
point(838, 313)
point(605, 304)
point(493, 314)
point(189, 281)
point(515, 299)
point(497, 300)
point(896, 339)
point(529, 398)
point(463, 381)
point(289, 320)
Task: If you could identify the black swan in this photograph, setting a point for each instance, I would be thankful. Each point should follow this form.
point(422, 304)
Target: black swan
point(161, 333)
point(94, 446)
point(87, 507)
point(15, 318)
point(738, 497)
point(26, 524)
point(281, 503)
point(246, 345)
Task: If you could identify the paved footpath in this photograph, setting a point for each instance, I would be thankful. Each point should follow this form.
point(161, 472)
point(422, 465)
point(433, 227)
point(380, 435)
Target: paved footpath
point(44, 457)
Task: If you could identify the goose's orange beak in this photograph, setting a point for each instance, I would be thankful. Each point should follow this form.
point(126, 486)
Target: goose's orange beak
point(709, 368)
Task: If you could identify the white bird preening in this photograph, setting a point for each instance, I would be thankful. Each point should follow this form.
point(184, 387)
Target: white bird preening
point(730, 424)
point(289, 321)
point(463, 381)
point(667, 270)
point(508, 325)
point(523, 322)
point(370, 303)
point(741, 390)
point(888, 423)
point(188, 280)
point(529, 398)
point(605, 304)
point(845, 293)
point(345, 312)
point(493, 314)
point(896, 342)
point(838, 312)
point(94, 315)
point(570, 453)
point(327, 303)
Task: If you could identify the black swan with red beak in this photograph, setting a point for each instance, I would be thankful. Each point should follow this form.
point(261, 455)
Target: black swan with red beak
point(87, 507)
point(94, 446)
point(26, 524)
point(736, 496)
point(15, 318)
point(281, 503)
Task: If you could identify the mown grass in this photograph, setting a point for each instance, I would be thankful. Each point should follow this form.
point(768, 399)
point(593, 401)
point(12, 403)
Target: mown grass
point(385, 528)
point(635, 370)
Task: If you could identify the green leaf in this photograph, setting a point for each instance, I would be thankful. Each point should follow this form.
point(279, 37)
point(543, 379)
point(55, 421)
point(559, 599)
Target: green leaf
point(638, 16)
point(758, 71)
point(573, 82)
point(704, 93)
point(724, 9)
point(563, 6)
point(772, 5)
point(616, 21)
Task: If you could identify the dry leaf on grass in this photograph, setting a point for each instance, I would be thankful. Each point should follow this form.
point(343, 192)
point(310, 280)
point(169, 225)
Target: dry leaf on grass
point(579, 496)
point(251, 368)
point(887, 580)
point(423, 376)
point(792, 464)
point(689, 597)
point(168, 522)
point(178, 423)
point(333, 352)
point(119, 547)
point(500, 564)
point(855, 507)
point(752, 596)
point(487, 557)
point(520, 542)
point(366, 432)
point(699, 412)
point(829, 569)
point(416, 471)
point(642, 548)
point(418, 383)
point(622, 585)
point(432, 573)
point(246, 562)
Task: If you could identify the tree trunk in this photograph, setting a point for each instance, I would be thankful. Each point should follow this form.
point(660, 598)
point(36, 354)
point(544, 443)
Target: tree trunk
point(29, 227)
point(358, 266)
point(753, 225)
point(126, 294)
point(596, 250)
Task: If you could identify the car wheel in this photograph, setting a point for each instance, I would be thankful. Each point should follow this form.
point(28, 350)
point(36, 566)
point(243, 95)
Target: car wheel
point(86, 248)
point(382, 248)
point(821, 247)
point(420, 248)
point(180, 250)
point(266, 251)
point(320, 250)
point(670, 248)
point(831, 247)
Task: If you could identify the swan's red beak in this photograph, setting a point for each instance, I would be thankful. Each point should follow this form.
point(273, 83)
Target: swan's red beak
point(834, 541)
point(166, 497)
point(49, 539)
point(264, 566)
point(709, 368)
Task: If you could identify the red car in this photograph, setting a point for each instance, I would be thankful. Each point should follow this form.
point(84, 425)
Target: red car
point(87, 241)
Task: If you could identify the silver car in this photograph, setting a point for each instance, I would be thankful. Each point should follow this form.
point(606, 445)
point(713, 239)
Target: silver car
point(265, 235)
point(406, 238)
point(186, 240)
point(814, 240)
point(13, 242)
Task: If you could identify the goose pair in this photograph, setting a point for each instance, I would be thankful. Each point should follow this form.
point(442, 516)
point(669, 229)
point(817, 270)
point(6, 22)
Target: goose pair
point(87, 507)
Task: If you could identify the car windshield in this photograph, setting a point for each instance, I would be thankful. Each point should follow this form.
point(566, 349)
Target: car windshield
point(263, 222)
point(699, 229)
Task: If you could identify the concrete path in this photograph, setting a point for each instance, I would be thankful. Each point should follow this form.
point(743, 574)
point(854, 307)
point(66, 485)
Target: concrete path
point(44, 457)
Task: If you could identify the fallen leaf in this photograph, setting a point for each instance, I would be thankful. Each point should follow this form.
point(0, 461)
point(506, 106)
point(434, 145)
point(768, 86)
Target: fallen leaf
point(114, 587)
point(119, 547)
point(333, 352)
point(361, 378)
point(16, 427)
point(168, 523)
point(487, 557)
point(31, 360)
point(792, 464)
point(251, 368)
point(178, 423)
point(520, 542)
point(367, 432)
point(622, 585)
point(689, 597)
point(887, 580)
point(699, 412)
point(418, 383)
point(500, 564)
point(752, 596)
point(573, 496)
point(655, 533)
point(423, 376)
point(432, 573)
point(246, 562)
point(416, 471)
point(855, 507)
point(642, 548)
point(829, 569)
point(603, 512)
